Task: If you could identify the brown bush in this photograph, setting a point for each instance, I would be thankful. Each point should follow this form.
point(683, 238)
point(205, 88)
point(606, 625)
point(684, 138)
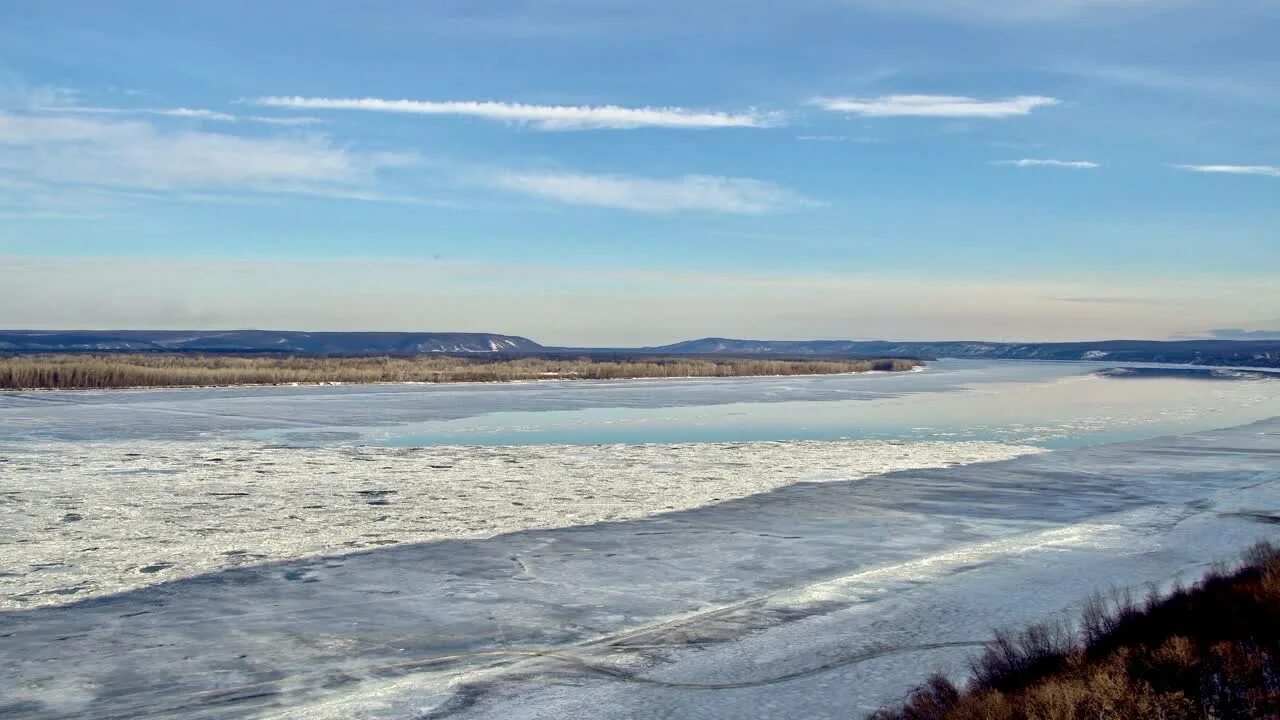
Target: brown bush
point(1013, 660)
point(1208, 652)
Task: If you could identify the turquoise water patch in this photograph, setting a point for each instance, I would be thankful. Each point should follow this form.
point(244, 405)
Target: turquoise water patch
point(1068, 411)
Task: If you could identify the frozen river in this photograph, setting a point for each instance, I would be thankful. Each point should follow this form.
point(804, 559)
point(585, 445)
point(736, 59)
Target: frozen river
point(769, 547)
point(1052, 404)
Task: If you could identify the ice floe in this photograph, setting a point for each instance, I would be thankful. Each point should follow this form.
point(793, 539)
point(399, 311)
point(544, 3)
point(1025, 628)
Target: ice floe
point(88, 519)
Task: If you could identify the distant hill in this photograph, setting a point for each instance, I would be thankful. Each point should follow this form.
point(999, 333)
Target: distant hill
point(256, 341)
point(1231, 353)
point(1235, 353)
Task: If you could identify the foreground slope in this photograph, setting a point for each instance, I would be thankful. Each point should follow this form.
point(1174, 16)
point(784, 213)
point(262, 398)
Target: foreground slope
point(1210, 651)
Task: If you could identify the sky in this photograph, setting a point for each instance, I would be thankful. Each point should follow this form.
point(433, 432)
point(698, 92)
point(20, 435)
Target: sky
point(595, 172)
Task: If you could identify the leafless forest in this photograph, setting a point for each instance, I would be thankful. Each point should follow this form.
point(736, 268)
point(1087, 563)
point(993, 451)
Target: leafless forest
point(123, 370)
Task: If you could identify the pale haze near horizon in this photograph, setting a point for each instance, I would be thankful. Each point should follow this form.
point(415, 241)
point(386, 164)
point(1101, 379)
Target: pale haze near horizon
point(620, 309)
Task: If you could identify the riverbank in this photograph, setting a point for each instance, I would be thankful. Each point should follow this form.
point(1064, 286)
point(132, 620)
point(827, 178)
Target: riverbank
point(1208, 651)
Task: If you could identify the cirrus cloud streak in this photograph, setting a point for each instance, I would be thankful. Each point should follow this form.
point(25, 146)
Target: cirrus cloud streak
point(936, 106)
point(1267, 170)
point(1046, 162)
point(542, 117)
point(193, 114)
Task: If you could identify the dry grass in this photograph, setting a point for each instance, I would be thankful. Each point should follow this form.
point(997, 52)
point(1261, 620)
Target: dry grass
point(66, 371)
point(1206, 652)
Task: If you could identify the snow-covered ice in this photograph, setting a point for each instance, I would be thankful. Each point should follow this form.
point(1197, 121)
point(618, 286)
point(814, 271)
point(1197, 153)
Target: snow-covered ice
point(90, 519)
point(782, 582)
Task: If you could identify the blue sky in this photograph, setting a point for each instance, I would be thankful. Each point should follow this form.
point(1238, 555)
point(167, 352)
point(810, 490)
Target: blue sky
point(625, 173)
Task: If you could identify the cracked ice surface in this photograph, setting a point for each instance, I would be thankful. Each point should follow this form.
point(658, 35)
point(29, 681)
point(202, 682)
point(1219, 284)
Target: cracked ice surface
point(854, 644)
point(96, 518)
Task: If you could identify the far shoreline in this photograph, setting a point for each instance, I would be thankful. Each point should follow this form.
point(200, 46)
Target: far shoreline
point(136, 372)
point(460, 383)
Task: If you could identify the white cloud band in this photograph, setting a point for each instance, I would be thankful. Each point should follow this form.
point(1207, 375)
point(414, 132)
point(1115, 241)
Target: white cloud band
point(1267, 170)
point(1043, 162)
point(936, 106)
point(543, 117)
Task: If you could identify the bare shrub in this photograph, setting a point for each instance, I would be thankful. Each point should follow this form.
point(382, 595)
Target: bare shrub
point(1206, 652)
point(1014, 659)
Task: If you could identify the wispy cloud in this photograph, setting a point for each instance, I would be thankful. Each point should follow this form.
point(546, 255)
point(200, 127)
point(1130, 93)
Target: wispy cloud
point(114, 153)
point(697, 193)
point(1267, 170)
point(939, 106)
point(181, 112)
point(1044, 162)
point(47, 99)
point(542, 117)
point(1235, 86)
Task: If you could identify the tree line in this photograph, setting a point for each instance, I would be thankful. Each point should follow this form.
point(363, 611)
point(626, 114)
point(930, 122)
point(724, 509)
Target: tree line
point(125, 370)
